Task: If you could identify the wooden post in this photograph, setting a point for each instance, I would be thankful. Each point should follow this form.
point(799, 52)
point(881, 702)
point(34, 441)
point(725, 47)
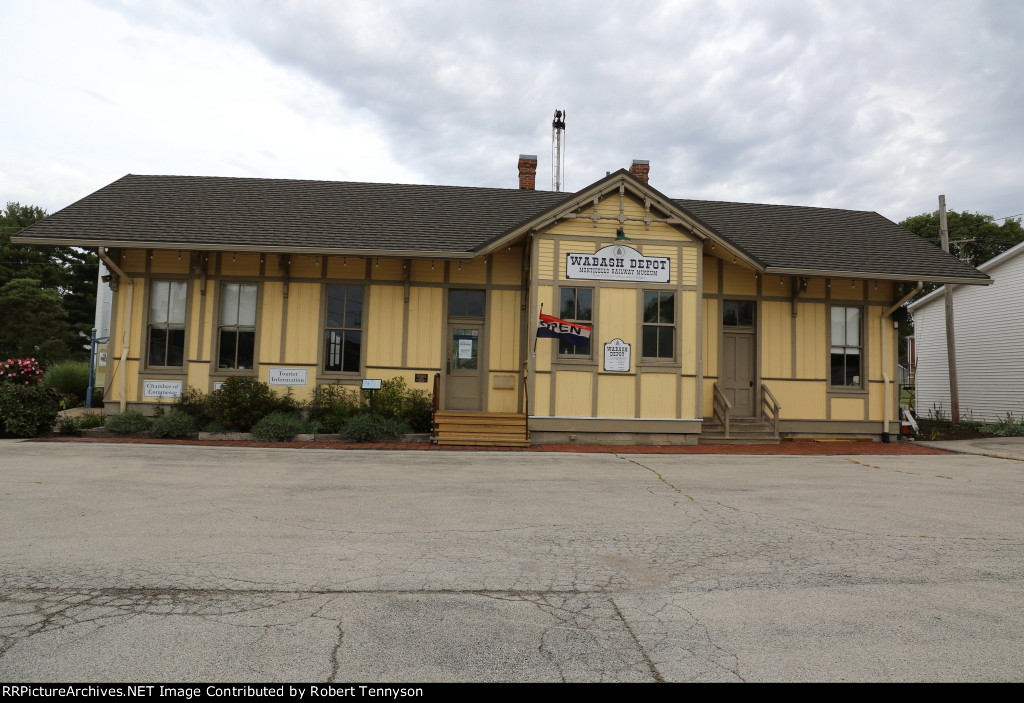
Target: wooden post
point(954, 387)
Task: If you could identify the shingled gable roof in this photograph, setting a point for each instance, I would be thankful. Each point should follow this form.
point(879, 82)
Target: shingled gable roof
point(260, 214)
point(789, 239)
point(215, 213)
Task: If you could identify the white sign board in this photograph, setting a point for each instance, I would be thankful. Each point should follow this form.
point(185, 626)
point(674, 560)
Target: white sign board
point(161, 389)
point(616, 355)
point(287, 377)
point(618, 262)
point(371, 384)
point(465, 348)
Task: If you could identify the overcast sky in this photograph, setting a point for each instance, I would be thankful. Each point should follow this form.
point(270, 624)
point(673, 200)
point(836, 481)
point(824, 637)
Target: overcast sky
point(862, 105)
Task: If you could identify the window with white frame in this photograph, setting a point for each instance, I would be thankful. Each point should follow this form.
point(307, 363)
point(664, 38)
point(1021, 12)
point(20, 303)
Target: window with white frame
point(237, 328)
point(167, 323)
point(847, 348)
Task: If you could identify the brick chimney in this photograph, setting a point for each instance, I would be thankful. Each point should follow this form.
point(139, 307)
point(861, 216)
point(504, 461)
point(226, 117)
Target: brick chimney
point(641, 170)
point(527, 172)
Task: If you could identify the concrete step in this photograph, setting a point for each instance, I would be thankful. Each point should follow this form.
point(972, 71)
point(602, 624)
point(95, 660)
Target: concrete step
point(461, 441)
point(739, 440)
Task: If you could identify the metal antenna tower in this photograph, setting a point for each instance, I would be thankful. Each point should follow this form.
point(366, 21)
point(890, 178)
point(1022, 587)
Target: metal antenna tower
point(557, 150)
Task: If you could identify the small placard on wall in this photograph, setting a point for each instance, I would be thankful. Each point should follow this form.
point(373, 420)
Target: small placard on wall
point(287, 377)
point(503, 381)
point(616, 355)
point(421, 378)
point(161, 389)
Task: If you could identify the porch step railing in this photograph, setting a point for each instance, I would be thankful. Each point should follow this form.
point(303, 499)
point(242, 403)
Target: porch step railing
point(722, 408)
point(770, 409)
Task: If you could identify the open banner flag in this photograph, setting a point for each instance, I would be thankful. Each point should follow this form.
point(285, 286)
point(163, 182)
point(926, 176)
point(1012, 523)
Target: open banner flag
point(573, 333)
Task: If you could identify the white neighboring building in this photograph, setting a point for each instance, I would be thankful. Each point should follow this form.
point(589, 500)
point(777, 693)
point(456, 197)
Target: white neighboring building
point(989, 326)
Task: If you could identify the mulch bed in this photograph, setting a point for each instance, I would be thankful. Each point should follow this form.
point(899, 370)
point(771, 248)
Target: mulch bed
point(785, 448)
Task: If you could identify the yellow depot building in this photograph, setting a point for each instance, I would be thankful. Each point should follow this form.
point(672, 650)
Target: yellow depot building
point(706, 320)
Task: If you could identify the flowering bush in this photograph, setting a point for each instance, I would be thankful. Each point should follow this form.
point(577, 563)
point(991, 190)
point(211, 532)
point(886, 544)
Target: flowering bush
point(27, 409)
point(23, 372)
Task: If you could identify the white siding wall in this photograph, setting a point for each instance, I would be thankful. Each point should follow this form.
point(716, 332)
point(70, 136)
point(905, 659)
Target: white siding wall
point(989, 323)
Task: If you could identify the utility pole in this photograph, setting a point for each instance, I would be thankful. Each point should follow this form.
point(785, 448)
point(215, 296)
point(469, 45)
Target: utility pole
point(954, 387)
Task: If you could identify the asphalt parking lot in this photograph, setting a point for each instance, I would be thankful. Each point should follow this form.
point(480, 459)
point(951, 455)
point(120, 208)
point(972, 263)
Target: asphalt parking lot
point(183, 563)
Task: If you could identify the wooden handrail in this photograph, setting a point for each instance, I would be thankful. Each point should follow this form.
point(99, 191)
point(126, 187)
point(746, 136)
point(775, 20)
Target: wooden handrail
point(721, 407)
point(437, 392)
point(526, 389)
point(773, 407)
point(526, 396)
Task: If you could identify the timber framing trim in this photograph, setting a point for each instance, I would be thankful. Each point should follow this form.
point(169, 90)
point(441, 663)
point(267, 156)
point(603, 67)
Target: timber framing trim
point(555, 423)
point(860, 276)
point(617, 184)
point(256, 249)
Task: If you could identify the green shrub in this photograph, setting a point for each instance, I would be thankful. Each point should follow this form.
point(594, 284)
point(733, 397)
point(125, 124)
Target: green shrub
point(396, 400)
point(71, 378)
point(127, 422)
point(173, 424)
point(242, 402)
point(278, 427)
point(67, 425)
point(418, 412)
point(1007, 427)
point(332, 406)
point(287, 403)
point(196, 404)
point(371, 428)
point(28, 410)
point(90, 420)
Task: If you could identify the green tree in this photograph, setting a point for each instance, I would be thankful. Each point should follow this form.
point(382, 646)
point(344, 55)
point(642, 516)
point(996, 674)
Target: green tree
point(974, 238)
point(34, 322)
point(67, 271)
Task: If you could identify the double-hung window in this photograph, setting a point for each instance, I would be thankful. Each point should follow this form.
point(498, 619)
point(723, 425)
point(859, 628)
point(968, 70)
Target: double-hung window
point(167, 323)
point(659, 331)
point(577, 305)
point(846, 358)
point(343, 332)
point(237, 329)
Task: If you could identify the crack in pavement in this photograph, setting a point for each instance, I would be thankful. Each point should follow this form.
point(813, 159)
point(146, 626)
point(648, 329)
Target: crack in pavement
point(636, 640)
point(335, 661)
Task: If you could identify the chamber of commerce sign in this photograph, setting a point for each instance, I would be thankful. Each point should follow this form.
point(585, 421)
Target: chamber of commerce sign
point(617, 262)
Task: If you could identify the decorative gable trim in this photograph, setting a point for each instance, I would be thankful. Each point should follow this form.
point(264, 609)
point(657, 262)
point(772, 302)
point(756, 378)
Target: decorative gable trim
point(618, 184)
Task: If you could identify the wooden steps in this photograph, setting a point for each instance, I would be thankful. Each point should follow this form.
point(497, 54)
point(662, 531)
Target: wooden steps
point(476, 429)
point(741, 431)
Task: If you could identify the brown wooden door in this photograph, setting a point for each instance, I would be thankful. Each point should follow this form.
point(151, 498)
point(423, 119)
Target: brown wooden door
point(465, 366)
point(738, 371)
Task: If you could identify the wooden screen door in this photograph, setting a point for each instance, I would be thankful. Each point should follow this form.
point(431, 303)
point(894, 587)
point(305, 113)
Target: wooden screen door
point(738, 371)
point(465, 345)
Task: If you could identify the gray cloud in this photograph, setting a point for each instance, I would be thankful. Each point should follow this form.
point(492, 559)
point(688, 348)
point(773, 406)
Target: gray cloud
point(870, 105)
